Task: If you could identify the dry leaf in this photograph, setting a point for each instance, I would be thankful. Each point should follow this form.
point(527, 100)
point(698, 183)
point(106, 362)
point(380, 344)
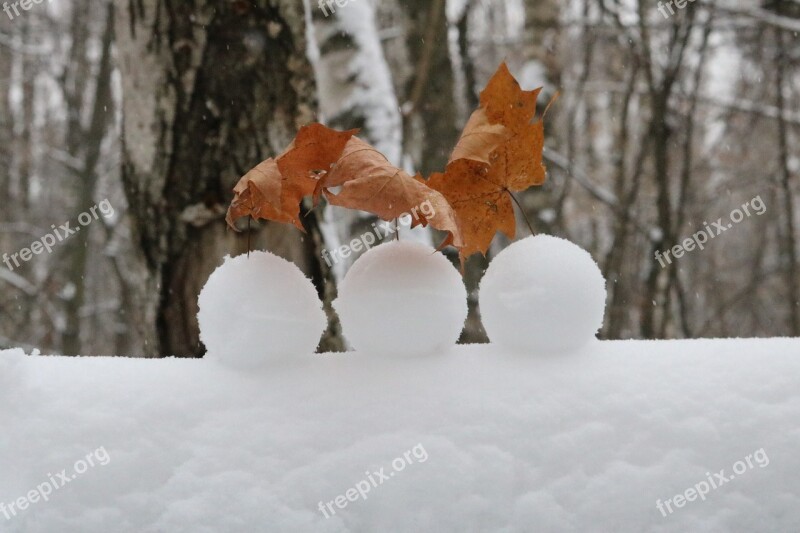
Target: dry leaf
point(479, 138)
point(499, 152)
point(274, 189)
point(369, 182)
point(258, 194)
point(482, 206)
point(312, 154)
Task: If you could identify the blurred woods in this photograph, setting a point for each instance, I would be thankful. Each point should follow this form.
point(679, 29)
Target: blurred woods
point(663, 123)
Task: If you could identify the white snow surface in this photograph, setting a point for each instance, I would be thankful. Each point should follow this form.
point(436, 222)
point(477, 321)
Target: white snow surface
point(402, 298)
point(584, 442)
point(258, 307)
point(542, 294)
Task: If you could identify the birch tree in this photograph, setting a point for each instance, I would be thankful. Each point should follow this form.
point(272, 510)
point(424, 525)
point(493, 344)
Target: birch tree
point(209, 90)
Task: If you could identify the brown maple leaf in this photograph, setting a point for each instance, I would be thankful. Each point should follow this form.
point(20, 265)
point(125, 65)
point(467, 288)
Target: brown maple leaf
point(500, 152)
point(274, 189)
point(482, 206)
point(315, 150)
point(479, 138)
point(258, 194)
point(369, 182)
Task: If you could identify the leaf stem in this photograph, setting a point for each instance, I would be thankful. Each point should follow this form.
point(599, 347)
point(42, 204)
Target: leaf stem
point(521, 210)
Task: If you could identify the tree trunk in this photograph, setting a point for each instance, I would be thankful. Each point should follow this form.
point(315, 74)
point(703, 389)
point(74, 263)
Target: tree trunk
point(210, 89)
point(429, 129)
point(789, 233)
point(88, 144)
point(28, 75)
point(6, 123)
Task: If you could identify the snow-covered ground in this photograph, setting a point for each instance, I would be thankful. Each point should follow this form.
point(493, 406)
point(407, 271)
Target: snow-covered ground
point(474, 439)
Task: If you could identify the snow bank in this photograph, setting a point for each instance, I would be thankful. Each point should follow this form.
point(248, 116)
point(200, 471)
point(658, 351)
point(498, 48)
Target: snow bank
point(585, 442)
point(11, 373)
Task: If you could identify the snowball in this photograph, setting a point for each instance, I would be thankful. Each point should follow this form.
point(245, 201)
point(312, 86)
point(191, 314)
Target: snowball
point(542, 294)
point(402, 298)
point(258, 309)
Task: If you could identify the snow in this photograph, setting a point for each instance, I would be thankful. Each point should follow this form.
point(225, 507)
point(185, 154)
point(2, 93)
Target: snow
point(587, 442)
point(605, 436)
point(259, 308)
point(10, 371)
point(402, 297)
point(542, 294)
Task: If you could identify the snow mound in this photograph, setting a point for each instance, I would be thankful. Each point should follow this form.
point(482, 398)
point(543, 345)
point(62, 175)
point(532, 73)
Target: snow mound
point(542, 294)
point(477, 439)
point(258, 309)
point(402, 298)
point(11, 371)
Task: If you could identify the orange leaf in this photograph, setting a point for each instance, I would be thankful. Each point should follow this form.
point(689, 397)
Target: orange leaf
point(506, 103)
point(274, 189)
point(370, 183)
point(482, 206)
point(312, 154)
point(480, 138)
point(499, 152)
point(257, 195)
